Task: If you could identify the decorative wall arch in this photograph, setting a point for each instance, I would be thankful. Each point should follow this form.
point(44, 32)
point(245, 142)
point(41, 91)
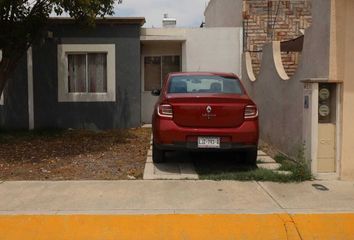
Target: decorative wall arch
point(279, 96)
point(278, 63)
point(249, 67)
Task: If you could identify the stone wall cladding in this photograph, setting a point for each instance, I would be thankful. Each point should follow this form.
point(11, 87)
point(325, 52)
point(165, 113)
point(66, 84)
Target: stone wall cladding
point(274, 20)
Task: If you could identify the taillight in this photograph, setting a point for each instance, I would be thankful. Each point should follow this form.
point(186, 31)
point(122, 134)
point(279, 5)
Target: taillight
point(251, 111)
point(165, 110)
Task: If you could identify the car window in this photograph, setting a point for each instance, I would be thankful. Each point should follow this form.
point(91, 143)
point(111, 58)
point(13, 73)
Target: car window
point(204, 84)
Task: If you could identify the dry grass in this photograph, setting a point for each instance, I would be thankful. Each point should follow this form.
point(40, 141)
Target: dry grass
point(73, 155)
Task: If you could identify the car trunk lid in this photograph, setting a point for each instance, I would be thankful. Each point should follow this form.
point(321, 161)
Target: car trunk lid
point(212, 111)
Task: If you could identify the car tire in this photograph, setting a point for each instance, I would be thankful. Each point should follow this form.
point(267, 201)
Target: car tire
point(250, 157)
point(158, 155)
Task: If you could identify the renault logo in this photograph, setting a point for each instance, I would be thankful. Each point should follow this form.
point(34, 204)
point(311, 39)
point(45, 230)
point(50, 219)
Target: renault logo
point(209, 109)
point(209, 115)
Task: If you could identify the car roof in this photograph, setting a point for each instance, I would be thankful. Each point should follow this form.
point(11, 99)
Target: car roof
point(221, 74)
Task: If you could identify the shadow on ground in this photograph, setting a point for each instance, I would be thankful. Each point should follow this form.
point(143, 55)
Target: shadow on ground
point(210, 163)
point(220, 164)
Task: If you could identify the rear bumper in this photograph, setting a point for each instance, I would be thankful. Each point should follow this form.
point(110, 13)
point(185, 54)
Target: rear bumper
point(193, 146)
point(169, 136)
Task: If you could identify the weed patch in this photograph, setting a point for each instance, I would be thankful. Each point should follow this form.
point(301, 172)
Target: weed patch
point(229, 168)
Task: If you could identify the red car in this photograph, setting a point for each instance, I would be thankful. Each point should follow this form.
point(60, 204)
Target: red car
point(204, 112)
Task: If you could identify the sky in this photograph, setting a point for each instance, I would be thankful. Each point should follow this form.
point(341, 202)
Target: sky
point(189, 13)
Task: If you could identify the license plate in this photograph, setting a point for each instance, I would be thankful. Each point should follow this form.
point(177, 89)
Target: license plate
point(208, 142)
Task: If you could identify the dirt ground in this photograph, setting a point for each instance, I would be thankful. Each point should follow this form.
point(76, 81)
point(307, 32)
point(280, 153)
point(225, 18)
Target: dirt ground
point(73, 155)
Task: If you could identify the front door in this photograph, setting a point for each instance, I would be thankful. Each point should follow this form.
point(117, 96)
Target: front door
point(155, 68)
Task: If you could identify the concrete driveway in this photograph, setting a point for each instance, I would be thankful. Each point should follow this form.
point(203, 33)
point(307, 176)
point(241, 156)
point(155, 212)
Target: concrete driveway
point(180, 165)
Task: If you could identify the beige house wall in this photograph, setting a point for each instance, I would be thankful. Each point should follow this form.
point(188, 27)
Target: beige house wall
point(224, 13)
point(202, 49)
point(213, 49)
point(342, 68)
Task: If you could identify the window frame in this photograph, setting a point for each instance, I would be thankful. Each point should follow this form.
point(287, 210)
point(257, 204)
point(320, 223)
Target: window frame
point(63, 84)
point(161, 67)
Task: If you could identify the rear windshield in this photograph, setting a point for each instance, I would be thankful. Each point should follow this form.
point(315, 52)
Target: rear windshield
point(204, 84)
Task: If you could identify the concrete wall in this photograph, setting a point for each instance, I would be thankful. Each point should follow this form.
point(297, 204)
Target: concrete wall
point(342, 68)
point(280, 103)
point(224, 13)
point(281, 99)
point(14, 112)
point(316, 53)
point(213, 49)
point(203, 49)
point(163, 34)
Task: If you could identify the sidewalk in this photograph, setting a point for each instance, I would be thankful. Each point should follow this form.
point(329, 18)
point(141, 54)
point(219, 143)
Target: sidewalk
point(131, 197)
point(32, 210)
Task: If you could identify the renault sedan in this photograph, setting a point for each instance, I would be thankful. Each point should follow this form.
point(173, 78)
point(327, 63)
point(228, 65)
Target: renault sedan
point(204, 112)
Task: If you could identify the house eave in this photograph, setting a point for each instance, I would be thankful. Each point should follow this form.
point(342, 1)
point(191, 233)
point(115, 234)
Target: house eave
point(106, 20)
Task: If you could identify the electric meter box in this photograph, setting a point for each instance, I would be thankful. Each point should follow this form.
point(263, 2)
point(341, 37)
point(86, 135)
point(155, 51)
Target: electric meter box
point(327, 103)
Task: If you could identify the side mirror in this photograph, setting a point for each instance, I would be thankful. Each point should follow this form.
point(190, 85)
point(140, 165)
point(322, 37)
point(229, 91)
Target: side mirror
point(156, 92)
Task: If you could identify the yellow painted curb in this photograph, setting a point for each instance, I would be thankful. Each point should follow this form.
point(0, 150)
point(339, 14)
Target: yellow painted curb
point(216, 227)
point(325, 226)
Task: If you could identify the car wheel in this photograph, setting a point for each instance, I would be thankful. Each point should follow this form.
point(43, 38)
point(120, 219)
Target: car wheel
point(158, 155)
point(250, 157)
